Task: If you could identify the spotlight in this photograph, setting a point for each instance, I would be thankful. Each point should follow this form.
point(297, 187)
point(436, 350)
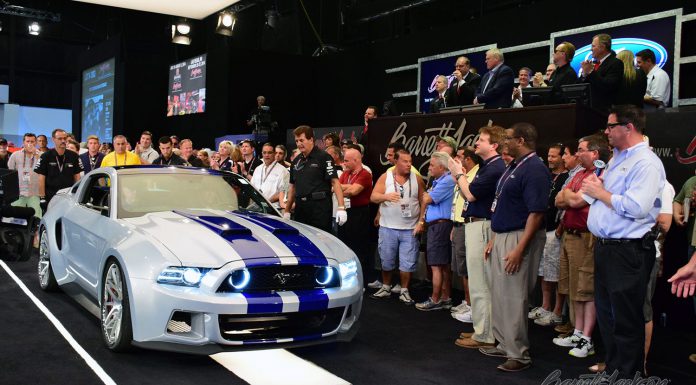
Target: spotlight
point(180, 33)
point(34, 29)
point(272, 18)
point(225, 23)
point(0, 25)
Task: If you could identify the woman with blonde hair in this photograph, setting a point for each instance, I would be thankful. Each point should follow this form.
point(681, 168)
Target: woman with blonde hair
point(225, 163)
point(634, 82)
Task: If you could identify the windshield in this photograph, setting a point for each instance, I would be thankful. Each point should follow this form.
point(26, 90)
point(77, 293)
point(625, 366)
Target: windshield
point(139, 194)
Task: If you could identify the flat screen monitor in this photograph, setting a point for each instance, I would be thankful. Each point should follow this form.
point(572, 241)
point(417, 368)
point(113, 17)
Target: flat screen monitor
point(473, 107)
point(98, 100)
point(576, 93)
point(444, 110)
point(187, 87)
point(536, 96)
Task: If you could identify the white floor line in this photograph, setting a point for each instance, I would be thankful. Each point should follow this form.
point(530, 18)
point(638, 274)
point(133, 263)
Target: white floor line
point(98, 370)
point(276, 367)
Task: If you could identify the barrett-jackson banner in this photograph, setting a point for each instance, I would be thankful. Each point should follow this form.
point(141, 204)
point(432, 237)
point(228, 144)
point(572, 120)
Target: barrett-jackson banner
point(418, 133)
point(672, 136)
point(349, 132)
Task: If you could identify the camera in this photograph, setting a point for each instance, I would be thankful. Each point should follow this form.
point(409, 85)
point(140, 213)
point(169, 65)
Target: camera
point(17, 224)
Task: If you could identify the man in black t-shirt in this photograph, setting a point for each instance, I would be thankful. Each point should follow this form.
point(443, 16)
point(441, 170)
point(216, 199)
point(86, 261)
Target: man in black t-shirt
point(168, 157)
point(4, 155)
point(186, 151)
point(246, 147)
point(312, 175)
point(57, 168)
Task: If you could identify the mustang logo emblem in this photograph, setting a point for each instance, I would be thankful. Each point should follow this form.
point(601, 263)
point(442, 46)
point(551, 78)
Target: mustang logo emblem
point(282, 278)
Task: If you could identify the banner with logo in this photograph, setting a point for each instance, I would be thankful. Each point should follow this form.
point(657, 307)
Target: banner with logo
point(419, 133)
point(351, 133)
point(673, 138)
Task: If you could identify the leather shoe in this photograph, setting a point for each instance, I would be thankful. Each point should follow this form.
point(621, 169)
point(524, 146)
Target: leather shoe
point(513, 366)
point(492, 352)
point(565, 328)
point(466, 334)
point(598, 367)
point(471, 343)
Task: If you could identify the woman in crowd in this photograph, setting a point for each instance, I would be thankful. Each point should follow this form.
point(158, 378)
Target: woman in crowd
point(634, 82)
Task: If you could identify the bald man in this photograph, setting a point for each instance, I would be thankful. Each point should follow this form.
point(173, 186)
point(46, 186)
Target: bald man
point(356, 183)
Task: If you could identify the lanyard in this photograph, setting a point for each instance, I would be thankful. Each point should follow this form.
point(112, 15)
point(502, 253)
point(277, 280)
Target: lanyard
point(60, 166)
point(504, 178)
point(400, 188)
point(92, 161)
point(350, 181)
point(578, 178)
point(169, 162)
point(24, 159)
point(247, 168)
point(267, 173)
point(125, 158)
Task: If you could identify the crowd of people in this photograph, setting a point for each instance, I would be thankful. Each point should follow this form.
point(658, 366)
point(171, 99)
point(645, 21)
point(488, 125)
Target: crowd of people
point(587, 225)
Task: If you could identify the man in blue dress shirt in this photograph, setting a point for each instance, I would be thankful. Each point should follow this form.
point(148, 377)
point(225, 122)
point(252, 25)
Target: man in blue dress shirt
point(624, 208)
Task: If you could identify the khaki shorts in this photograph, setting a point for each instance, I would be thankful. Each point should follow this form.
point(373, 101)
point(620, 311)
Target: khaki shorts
point(576, 278)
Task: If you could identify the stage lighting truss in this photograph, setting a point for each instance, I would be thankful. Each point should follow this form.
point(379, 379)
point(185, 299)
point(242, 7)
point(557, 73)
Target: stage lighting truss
point(225, 24)
point(181, 32)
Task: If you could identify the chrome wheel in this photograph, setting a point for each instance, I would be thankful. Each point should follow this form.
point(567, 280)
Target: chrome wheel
point(112, 305)
point(46, 279)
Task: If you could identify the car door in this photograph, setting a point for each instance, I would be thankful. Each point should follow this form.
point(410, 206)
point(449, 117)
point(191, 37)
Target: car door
point(87, 226)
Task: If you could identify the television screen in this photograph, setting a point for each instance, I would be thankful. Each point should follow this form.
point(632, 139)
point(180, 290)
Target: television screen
point(187, 87)
point(98, 100)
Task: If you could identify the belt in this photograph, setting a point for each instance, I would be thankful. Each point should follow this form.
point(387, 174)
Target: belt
point(618, 241)
point(458, 224)
point(315, 196)
point(474, 219)
point(576, 231)
point(437, 221)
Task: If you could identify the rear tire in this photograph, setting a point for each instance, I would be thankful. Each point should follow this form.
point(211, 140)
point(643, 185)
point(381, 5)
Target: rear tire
point(116, 327)
point(47, 280)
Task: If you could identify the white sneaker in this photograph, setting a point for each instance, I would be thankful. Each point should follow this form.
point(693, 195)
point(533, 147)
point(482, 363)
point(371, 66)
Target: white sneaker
point(396, 289)
point(461, 308)
point(583, 349)
point(567, 342)
point(405, 297)
point(463, 317)
point(383, 292)
point(537, 312)
point(548, 319)
point(375, 285)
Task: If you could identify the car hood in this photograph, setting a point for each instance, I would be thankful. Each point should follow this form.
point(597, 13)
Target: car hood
point(214, 238)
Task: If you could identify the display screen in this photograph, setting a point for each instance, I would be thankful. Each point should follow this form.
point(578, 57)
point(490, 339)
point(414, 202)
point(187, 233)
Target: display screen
point(187, 87)
point(98, 100)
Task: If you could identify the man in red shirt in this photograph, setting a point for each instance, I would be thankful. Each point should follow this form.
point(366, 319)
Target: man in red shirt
point(356, 183)
point(576, 278)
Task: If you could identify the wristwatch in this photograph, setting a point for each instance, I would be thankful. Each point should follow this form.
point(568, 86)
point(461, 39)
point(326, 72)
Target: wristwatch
point(458, 176)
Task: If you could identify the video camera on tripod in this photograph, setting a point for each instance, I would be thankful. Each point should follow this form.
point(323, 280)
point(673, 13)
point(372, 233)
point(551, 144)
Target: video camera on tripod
point(17, 224)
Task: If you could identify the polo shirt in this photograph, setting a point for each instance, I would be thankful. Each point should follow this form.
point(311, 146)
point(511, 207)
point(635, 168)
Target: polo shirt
point(576, 218)
point(362, 177)
point(313, 173)
point(174, 160)
point(125, 159)
point(59, 170)
point(458, 205)
point(442, 193)
point(483, 187)
point(522, 189)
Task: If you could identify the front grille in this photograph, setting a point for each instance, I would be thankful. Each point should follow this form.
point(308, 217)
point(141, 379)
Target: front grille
point(280, 325)
point(281, 278)
point(179, 323)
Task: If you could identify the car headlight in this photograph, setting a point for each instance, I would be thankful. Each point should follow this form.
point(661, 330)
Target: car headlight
point(182, 276)
point(348, 269)
point(324, 275)
point(239, 279)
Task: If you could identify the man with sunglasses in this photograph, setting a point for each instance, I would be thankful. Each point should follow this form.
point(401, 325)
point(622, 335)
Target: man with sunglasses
point(624, 207)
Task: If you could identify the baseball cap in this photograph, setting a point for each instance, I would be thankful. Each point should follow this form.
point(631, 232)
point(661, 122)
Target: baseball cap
point(3, 141)
point(449, 140)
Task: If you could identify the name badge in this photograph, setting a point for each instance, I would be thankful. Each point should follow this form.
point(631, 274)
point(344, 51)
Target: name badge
point(25, 176)
point(405, 210)
point(346, 202)
point(495, 203)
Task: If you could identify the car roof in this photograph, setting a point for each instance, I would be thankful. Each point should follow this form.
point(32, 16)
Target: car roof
point(158, 169)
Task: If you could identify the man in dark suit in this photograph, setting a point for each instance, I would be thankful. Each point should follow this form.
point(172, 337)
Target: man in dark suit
point(497, 84)
point(463, 88)
point(564, 73)
point(604, 73)
point(442, 99)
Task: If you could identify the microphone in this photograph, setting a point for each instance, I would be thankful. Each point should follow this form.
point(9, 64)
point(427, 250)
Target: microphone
point(599, 166)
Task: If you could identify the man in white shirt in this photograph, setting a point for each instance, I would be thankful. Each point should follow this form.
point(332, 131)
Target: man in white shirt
point(659, 87)
point(270, 176)
point(23, 161)
point(524, 76)
point(144, 149)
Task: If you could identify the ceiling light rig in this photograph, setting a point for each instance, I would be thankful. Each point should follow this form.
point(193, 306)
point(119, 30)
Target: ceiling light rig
point(225, 24)
point(181, 32)
point(34, 28)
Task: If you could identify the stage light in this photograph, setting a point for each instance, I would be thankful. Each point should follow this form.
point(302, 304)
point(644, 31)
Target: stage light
point(180, 33)
point(225, 23)
point(0, 25)
point(272, 18)
point(34, 29)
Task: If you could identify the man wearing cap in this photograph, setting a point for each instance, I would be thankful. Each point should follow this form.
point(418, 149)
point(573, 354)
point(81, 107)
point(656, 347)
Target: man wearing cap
point(4, 155)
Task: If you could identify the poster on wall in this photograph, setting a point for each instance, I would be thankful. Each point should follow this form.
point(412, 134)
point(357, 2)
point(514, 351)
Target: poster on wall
point(98, 100)
point(187, 87)
point(655, 32)
point(430, 67)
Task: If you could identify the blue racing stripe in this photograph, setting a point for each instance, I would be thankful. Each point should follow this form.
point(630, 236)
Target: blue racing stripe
point(260, 303)
point(305, 251)
point(311, 300)
point(240, 237)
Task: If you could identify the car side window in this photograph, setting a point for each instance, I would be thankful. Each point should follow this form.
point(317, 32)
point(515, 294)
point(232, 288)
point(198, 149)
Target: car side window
point(97, 194)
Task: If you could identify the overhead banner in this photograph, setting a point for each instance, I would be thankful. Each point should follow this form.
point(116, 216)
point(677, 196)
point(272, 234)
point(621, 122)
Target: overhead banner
point(673, 138)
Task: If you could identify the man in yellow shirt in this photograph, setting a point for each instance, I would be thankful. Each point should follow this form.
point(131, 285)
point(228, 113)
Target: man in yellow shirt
point(120, 157)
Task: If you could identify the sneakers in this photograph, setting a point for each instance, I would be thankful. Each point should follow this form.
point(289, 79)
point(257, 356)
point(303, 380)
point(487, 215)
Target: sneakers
point(537, 312)
point(375, 285)
point(383, 292)
point(567, 342)
point(548, 319)
point(463, 317)
point(461, 308)
point(405, 297)
point(583, 349)
point(446, 303)
point(429, 305)
point(396, 289)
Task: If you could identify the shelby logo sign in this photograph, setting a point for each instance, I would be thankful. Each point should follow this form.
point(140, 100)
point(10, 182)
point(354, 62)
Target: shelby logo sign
point(632, 44)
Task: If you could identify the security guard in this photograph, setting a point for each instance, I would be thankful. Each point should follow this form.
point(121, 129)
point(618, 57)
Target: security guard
point(312, 175)
point(57, 168)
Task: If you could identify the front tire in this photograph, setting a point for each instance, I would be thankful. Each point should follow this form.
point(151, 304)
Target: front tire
point(47, 279)
point(116, 327)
